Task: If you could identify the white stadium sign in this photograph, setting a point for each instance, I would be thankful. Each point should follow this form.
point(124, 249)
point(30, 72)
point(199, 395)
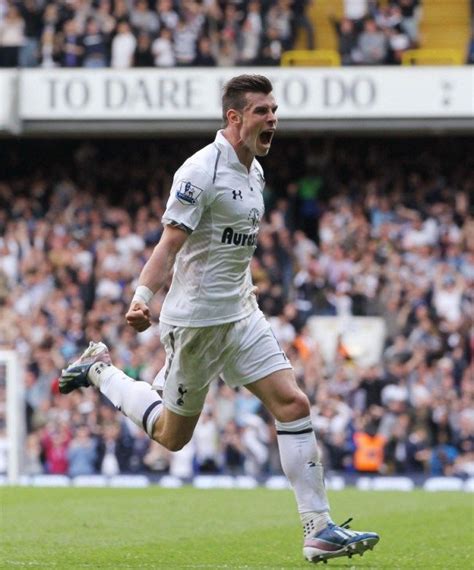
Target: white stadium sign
point(194, 94)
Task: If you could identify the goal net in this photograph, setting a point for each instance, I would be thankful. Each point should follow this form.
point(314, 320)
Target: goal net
point(12, 416)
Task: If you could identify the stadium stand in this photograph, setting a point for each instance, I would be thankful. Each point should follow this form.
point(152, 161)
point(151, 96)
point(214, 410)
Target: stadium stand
point(363, 228)
point(147, 33)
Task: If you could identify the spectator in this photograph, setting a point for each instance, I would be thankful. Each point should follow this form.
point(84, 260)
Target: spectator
point(250, 34)
point(233, 448)
point(114, 451)
point(204, 57)
point(279, 18)
point(206, 440)
point(272, 48)
point(346, 38)
point(168, 16)
point(143, 56)
point(12, 37)
point(411, 12)
point(71, 48)
point(123, 46)
point(185, 39)
point(95, 49)
point(55, 444)
point(49, 52)
point(371, 45)
point(29, 52)
point(105, 19)
point(443, 457)
point(162, 49)
point(228, 53)
point(143, 19)
point(82, 453)
point(302, 21)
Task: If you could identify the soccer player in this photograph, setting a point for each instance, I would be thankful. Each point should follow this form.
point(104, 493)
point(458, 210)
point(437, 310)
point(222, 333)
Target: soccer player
point(210, 323)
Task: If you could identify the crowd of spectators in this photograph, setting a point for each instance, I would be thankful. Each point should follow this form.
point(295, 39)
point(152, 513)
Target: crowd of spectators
point(375, 33)
point(147, 33)
point(353, 227)
point(167, 33)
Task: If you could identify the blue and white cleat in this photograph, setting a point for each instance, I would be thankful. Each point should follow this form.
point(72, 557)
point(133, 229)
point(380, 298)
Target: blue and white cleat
point(75, 375)
point(335, 541)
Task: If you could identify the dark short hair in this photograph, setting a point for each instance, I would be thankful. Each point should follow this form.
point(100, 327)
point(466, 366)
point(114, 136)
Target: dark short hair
point(235, 90)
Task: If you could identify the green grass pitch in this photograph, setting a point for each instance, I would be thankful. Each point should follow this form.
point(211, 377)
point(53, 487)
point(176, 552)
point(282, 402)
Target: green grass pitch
point(223, 529)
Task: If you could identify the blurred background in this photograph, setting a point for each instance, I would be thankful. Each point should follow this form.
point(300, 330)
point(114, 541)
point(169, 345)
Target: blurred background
point(365, 262)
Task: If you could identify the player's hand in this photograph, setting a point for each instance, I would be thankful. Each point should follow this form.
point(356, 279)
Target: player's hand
point(138, 316)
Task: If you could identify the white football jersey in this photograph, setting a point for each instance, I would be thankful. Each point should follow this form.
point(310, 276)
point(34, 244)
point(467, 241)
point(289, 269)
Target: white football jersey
point(220, 203)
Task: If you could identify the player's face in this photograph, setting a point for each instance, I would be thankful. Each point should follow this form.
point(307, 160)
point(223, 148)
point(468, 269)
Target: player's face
point(258, 123)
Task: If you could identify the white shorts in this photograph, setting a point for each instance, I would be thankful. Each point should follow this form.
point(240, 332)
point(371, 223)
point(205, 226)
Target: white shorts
point(240, 353)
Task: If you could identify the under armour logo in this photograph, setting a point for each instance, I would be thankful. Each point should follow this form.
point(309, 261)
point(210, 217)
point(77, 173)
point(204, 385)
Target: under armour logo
point(237, 193)
point(182, 391)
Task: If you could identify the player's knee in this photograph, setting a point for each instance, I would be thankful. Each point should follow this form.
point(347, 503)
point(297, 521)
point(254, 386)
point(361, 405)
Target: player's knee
point(294, 408)
point(301, 404)
point(170, 441)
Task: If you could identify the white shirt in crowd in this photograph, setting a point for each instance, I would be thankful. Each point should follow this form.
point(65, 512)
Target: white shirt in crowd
point(123, 48)
point(355, 9)
point(447, 301)
point(163, 52)
point(12, 34)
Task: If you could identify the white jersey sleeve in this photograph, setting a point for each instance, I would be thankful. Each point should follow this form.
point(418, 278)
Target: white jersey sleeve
point(191, 193)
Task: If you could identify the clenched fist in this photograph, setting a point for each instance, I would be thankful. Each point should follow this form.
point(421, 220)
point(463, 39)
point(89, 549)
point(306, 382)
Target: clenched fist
point(138, 316)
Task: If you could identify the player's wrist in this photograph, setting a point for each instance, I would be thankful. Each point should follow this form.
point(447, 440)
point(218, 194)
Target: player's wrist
point(143, 295)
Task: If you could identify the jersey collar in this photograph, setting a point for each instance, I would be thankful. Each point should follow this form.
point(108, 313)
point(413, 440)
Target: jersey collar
point(229, 153)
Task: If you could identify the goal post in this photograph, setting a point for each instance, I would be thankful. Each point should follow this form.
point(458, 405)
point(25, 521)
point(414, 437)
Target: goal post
point(11, 376)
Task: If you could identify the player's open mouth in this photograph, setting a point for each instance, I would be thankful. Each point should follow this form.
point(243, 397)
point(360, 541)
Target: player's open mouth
point(266, 137)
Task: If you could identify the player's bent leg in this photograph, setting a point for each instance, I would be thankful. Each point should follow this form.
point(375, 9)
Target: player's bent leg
point(301, 463)
point(137, 400)
point(174, 431)
point(282, 397)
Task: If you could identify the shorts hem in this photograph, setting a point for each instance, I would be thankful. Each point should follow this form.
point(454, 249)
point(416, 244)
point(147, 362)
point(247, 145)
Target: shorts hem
point(179, 411)
point(261, 374)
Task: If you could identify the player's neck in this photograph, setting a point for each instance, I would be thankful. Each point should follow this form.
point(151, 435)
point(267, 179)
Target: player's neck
point(243, 154)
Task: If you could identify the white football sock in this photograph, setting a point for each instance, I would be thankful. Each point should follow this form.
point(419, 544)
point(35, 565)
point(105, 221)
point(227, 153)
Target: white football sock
point(137, 400)
point(300, 460)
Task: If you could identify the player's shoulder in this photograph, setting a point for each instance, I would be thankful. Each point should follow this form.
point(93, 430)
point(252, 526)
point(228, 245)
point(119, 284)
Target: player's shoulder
point(200, 165)
point(258, 172)
point(258, 168)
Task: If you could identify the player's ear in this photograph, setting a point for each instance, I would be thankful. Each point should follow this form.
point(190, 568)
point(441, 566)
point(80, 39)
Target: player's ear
point(234, 117)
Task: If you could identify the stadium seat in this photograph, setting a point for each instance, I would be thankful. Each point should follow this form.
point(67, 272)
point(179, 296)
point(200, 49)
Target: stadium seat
point(432, 57)
point(311, 58)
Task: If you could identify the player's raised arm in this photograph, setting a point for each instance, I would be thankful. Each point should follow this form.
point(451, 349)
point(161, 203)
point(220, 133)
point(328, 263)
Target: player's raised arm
point(154, 275)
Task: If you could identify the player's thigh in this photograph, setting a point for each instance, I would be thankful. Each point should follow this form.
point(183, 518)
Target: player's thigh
point(193, 360)
point(281, 395)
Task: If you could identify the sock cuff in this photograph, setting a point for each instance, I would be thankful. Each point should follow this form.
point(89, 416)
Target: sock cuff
point(150, 416)
point(303, 425)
